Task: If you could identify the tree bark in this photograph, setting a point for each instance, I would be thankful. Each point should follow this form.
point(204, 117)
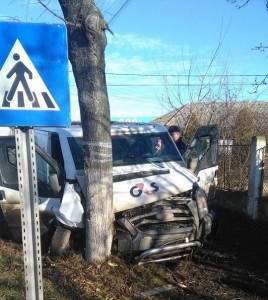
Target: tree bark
point(86, 45)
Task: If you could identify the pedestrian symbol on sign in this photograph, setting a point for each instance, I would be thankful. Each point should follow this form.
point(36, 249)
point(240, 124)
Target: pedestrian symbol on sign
point(19, 69)
point(23, 87)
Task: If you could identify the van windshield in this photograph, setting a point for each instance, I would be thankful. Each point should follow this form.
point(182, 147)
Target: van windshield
point(132, 149)
point(143, 148)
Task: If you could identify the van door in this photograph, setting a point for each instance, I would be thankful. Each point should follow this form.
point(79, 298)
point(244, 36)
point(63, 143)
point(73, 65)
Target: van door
point(202, 157)
point(49, 180)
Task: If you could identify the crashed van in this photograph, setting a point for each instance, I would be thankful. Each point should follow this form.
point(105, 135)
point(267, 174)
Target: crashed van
point(160, 199)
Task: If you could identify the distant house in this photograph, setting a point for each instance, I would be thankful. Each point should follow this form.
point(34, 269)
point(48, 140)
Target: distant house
point(251, 116)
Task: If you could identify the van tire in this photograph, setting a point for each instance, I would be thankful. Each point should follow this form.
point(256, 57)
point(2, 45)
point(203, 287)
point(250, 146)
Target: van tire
point(60, 241)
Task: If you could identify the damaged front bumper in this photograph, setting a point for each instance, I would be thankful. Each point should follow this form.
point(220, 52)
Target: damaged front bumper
point(162, 231)
point(208, 228)
point(167, 253)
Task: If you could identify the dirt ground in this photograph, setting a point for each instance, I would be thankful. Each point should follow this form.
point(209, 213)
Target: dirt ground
point(233, 266)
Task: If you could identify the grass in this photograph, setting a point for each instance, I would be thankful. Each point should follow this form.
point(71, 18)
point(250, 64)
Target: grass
point(236, 246)
point(12, 272)
point(73, 278)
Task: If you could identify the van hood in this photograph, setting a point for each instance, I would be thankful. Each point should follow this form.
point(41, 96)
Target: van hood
point(138, 185)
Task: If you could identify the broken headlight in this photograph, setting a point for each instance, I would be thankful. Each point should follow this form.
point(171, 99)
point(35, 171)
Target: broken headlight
point(201, 200)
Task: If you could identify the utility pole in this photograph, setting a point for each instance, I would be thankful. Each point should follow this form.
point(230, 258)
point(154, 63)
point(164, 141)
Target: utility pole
point(260, 48)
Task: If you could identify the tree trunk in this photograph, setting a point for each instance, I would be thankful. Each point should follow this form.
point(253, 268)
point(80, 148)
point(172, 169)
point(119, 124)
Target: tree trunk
point(86, 43)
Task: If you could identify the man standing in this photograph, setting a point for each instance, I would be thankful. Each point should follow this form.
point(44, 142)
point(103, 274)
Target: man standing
point(176, 134)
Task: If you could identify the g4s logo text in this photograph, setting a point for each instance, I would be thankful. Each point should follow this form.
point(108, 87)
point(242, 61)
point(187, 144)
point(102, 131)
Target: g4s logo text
point(137, 190)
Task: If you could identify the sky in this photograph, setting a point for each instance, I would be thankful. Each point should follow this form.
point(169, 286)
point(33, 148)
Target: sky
point(163, 51)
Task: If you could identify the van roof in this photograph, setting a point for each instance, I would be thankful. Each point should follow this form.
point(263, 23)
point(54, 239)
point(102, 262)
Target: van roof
point(123, 127)
point(117, 128)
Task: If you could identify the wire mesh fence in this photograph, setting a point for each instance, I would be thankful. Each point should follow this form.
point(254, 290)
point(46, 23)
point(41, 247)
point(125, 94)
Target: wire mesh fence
point(265, 172)
point(233, 167)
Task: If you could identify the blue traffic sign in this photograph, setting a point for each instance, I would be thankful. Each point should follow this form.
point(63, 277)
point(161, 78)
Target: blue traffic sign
point(34, 85)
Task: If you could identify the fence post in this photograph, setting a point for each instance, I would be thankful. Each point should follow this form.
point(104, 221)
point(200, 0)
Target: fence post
point(255, 175)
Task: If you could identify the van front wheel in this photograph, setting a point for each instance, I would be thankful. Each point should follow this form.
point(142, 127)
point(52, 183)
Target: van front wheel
point(60, 242)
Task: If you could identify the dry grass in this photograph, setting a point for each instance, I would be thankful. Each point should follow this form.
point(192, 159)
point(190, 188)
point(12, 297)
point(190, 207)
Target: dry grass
point(73, 278)
point(233, 267)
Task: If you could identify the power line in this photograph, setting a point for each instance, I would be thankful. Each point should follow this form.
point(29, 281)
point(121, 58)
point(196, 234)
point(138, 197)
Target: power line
point(106, 8)
point(107, 11)
point(176, 84)
point(179, 75)
point(173, 84)
point(125, 4)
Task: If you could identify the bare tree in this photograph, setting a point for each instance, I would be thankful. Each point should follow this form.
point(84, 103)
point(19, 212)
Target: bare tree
point(204, 85)
point(86, 43)
point(194, 88)
point(241, 3)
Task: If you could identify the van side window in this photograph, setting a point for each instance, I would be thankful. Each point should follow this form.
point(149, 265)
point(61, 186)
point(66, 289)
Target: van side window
point(9, 173)
point(11, 156)
point(197, 152)
point(44, 172)
point(56, 151)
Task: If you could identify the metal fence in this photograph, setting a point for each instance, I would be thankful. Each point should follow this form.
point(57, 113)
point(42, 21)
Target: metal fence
point(265, 172)
point(233, 167)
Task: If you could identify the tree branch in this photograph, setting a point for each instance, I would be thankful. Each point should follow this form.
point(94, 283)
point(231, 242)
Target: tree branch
point(52, 12)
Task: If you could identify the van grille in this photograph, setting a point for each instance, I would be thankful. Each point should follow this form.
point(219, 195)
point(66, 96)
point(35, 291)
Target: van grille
point(161, 216)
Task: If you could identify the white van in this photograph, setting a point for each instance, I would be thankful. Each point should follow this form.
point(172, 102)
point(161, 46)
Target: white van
point(160, 208)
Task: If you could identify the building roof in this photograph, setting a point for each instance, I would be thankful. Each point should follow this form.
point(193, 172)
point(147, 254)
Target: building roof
point(222, 113)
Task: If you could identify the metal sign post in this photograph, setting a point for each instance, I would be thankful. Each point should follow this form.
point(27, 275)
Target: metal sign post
point(27, 177)
point(34, 91)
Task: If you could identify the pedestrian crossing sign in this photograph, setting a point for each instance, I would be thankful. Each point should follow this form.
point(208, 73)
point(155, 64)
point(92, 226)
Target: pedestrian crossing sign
point(34, 85)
